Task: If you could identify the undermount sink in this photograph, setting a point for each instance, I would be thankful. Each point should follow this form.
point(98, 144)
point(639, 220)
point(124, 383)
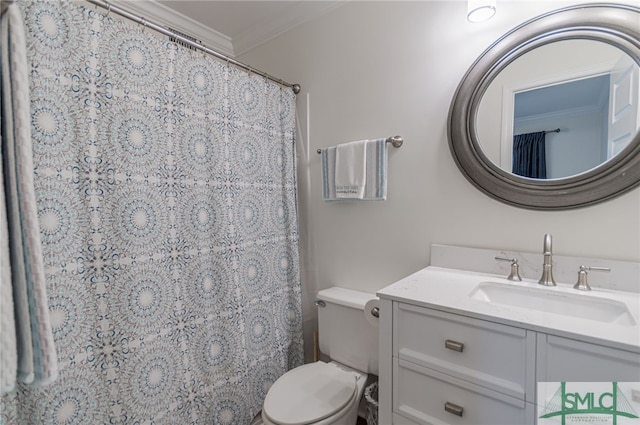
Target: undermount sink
point(554, 301)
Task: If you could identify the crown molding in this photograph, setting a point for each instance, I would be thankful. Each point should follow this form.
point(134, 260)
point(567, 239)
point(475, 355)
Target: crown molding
point(164, 16)
point(302, 12)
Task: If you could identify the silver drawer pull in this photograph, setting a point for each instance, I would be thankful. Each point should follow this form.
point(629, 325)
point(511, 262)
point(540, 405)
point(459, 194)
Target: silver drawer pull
point(454, 345)
point(453, 408)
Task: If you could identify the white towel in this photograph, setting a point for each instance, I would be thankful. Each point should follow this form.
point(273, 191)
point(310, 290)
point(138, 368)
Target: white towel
point(33, 338)
point(8, 343)
point(351, 169)
point(374, 167)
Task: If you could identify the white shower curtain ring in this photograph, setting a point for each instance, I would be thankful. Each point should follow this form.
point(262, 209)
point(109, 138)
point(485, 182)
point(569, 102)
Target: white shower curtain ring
point(108, 10)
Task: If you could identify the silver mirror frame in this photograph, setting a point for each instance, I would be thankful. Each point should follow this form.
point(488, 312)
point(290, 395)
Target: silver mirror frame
point(615, 24)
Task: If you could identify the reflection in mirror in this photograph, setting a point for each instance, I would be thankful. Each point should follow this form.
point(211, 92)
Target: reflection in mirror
point(579, 104)
point(585, 88)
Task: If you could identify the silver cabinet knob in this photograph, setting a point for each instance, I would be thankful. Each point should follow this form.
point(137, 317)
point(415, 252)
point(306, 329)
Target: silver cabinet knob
point(453, 408)
point(454, 345)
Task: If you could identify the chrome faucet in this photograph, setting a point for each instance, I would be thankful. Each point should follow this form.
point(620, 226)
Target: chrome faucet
point(547, 265)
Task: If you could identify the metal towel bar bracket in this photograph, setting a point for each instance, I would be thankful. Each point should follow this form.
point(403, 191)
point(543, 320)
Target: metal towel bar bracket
point(396, 141)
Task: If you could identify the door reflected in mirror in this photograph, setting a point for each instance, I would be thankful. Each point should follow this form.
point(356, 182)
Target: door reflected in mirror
point(586, 89)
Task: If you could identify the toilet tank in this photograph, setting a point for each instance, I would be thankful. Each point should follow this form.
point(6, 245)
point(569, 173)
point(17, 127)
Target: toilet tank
point(345, 334)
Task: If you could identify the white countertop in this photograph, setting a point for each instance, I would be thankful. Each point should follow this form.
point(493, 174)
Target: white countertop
point(448, 290)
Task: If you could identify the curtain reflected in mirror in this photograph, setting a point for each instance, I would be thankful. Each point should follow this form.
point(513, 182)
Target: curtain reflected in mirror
point(580, 107)
point(529, 155)
point(582, 88)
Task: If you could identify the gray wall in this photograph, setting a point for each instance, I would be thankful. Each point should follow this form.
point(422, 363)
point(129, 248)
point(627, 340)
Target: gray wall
point(375, 69)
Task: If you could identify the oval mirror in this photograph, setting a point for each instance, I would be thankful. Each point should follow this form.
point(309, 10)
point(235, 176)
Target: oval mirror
point(548, 116)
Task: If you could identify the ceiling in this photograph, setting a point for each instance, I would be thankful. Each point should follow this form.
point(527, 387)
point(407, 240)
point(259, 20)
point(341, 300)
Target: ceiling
point(231, 27)
point(587, 94)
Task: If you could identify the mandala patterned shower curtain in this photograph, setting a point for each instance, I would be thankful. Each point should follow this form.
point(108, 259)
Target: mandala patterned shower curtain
point(165, 186)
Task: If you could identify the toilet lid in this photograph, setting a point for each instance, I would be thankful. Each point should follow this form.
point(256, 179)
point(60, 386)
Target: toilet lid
point(309, 394)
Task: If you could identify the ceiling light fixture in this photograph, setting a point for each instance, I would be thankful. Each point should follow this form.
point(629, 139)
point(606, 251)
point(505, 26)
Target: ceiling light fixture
point(480, 10)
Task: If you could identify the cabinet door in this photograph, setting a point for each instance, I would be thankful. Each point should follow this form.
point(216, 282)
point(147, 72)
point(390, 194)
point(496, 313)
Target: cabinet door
point(562, 359)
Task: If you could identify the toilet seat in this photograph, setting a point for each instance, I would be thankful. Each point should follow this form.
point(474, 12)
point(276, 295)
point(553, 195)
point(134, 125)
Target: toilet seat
point(309, 394)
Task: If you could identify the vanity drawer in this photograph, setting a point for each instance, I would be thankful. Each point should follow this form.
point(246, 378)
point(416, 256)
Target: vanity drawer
point(427, 396)
point(563, 359)
point(401, 420)
point(481, 352)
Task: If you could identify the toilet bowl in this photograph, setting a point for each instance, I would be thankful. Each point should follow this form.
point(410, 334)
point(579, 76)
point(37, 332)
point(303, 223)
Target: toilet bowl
point(322, 393)
point(315, 394)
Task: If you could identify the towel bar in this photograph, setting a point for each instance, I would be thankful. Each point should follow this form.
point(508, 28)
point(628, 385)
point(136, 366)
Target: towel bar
point(396, 141)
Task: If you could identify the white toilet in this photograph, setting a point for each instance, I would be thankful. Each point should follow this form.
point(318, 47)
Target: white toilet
point(329, 393)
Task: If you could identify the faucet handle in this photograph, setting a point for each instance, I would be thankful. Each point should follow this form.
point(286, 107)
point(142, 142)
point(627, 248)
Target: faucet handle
point(582, 284)
point(515, 268)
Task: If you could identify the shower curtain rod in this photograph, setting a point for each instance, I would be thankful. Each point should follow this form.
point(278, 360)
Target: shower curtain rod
point(119, 11)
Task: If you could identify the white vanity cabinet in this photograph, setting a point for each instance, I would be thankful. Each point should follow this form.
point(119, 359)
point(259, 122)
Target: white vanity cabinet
point(462, 344)
point(447, 368)
point(438, 367)
point(563, 359)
